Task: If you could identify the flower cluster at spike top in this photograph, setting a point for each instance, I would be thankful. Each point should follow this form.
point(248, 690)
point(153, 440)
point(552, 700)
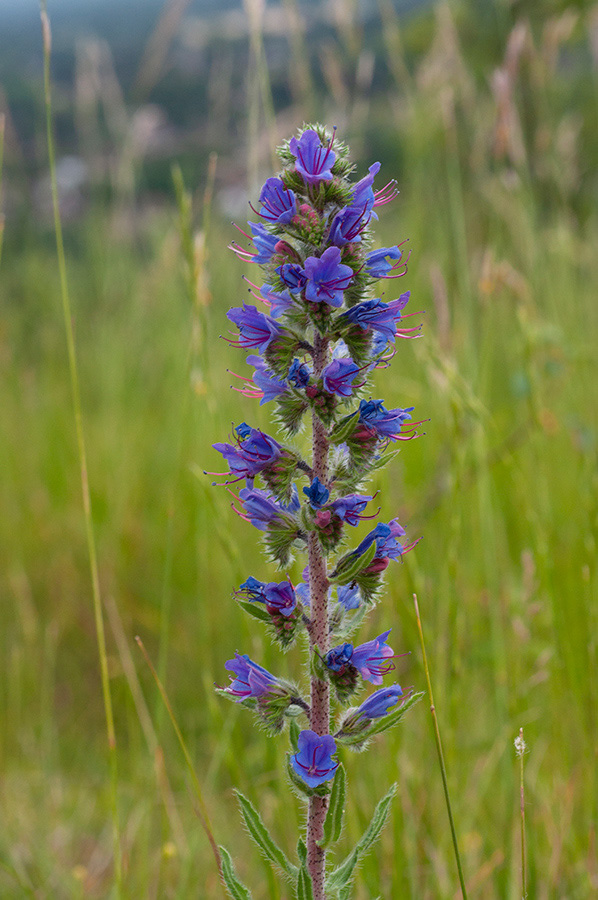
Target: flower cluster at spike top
point(315, 330)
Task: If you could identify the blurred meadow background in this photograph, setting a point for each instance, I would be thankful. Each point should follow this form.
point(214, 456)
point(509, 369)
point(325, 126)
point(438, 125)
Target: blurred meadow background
point(487, 115)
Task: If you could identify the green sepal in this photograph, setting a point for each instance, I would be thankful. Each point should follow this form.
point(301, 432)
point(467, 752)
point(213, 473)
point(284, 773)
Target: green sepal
point(258, 612)
point(342, 429)
point(304, 885)
point(294, 732)
point(236, 889)
point(260, 834)
point(280, 352)
point(372, 727)
point(349, 567)
point(279, 540)
point(341, 877)
point(333, 824)
point(344, 622)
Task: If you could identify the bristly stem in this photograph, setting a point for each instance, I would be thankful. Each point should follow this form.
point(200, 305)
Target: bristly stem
point(74, 375)
point(439, 751)
point(320, 692)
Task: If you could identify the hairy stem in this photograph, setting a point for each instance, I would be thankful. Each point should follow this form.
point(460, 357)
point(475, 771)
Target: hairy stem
point(320, 694)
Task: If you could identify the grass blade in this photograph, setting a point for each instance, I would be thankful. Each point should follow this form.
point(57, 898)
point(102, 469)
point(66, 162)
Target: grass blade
point(440, 753)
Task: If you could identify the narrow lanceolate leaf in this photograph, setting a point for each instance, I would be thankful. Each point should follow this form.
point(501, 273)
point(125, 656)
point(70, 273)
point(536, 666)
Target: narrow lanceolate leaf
point(294, 732)
point(304, 886)
point(257, 611)
point(350, 566)
point(236, 889)
point(343, 429)
point(302, 851)
point(342, 875)
point(334, 817)
point(345, 893)
point(262, 838)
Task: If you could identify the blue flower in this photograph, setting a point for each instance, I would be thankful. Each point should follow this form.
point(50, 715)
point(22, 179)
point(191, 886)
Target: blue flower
point(363, 194)
point(298, 374)
point(254, 453)
point(349, 597)
point(270, 386)
point(375, 315)
point(339, 657)
point(278, 202)
point(338, 375)
point(255, 329)
point(265, 244)
point(327, 277)
point(279, 301)
point(317, 494)
point(348, 225)
point(313, 761)
point(376, 264)
point(349, 508)
point(262, 511)
point(374, 659)
point(387, 546)
point(378, 703)
point(293, 276)
point(314, 160)
point(250, 679)
point(280, 597)
point(385, 422)
point(252, 590)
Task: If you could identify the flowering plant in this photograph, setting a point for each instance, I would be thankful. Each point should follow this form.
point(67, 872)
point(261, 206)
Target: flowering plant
point(319, 334)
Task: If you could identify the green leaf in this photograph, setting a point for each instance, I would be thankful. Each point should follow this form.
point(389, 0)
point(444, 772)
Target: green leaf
point(340, 878)
point(304, 886)
point(302, 851)
point(257, 611)
point(334, 817)
point(261, 836)
point(343, 429)
point(349, 567)
point(236, 889)
point(345, 893)
point(294, 732)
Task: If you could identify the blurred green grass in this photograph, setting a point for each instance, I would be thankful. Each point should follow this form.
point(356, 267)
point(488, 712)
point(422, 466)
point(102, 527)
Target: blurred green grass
point(503, 487)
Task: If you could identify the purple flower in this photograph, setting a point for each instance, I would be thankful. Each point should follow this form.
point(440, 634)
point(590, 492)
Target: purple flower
point(339, 657)
point(376, 264)
point(293, 276)
point(278, 202)
point(255, 329)
point(338, 375)
point(280, 597)
point(262, 511)
point(317, 494)
point(327, 277)
point(279, 302)
point(313, 762)
point(385, 422)
point(387, 546)
point(348, 596)
point(298, 374)
point(314, 160)
point(378, 703)
point(373, 659)
point(348, 225)
point(349, 508)
point(270, 386)
point(265, 244)
point(254, 453)
point(363, 194)
point(252, 590)
point(374, 314)
point(250, 679)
